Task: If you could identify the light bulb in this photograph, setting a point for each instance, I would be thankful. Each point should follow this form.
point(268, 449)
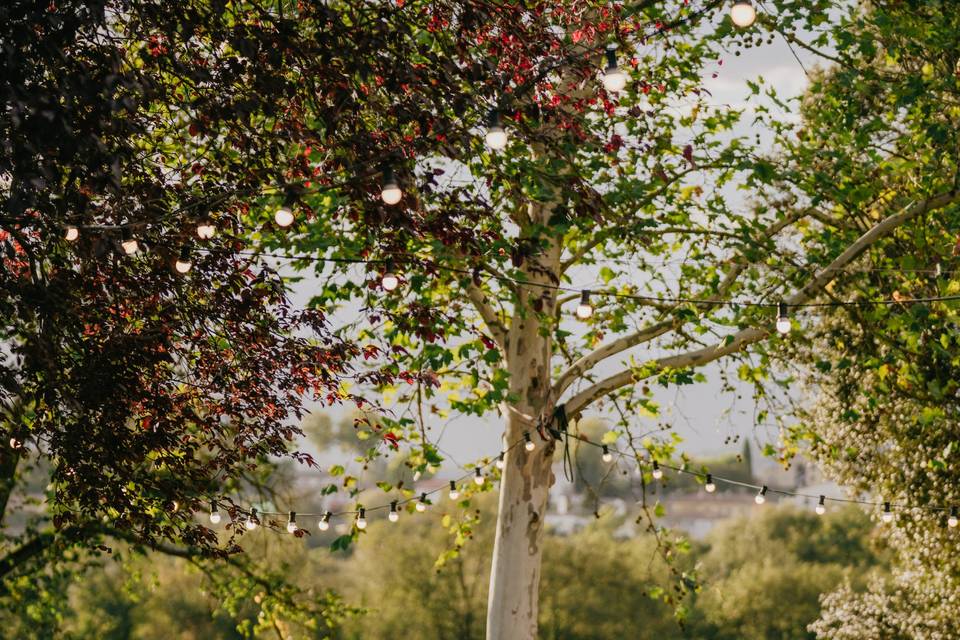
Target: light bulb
point(129, 243)
point(743, 13)
point(501, 461)
point(528, 444)
point(821, 507)
point(389, 281)
point(214, 513)
point(953, 520)
point(183, 263)
point(783, 320)
point(324, 523)
point(477, 477)
point(251, 522)
point(761, 495)
point(657, 471)
point(206, 229)
point(394, 515)
point(71, 233)
point(292, 523)
point(607, 456)
point(454, 493)
point(887, 515)
point(390, 191)
point(584, 309)
point(709, 486)
point(422, 503)
point(496, 135)
point(614, 79)
point(283, 217)
point(362, 519)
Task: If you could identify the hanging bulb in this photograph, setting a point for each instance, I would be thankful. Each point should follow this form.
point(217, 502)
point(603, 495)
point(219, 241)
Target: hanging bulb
point(214, 513)
point(584, 309)
point(324, 523)
point(206, 229)
point(128, 242)
point(761, 495)
point(390, 192)
point(614, 79)
point(394, 514)
point(501, 461)
point(821, 507)
point(477, 477)
point(743, 13)
point(292, 522)
point(887, 514)
point(71, 233)
point(389, 281)
point(454, 494)
point(496, 135)
point(783, 320)
point(709, 486)
point(953, 519)
point(422, 503)
point(284, 216)
point(362, 519)
point(183, 263)
point(607, 456)
point(528, 444)
point(251, 522)
point(657, 471)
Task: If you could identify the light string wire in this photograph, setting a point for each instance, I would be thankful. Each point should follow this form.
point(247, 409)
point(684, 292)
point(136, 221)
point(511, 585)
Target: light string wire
point(649, 465)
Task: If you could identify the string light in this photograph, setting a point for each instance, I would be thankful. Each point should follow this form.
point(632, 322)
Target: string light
point(743, 13)
point(528, 443)
point(71, 233)
point(394, 514)
point(887, 514)
point(206, 229)
point(362, 519)
point(709, 486)
point(953, 519)
point(283, 216)
point(584, 309)
point(251, 522)
point(821, 507)
point(390, 192)
point(214, 513)
point(761, 495)
point(324, 523)
point(292, 522)
point(389, 281)
point(477, 477)
point(501, 462)
point(454, 494)
point(183, 264)
point(657, 471)
point(783, 320)
point(614, 79)
point(496, 135)
point(422, 503)
point(128, 243)
point(607, 456)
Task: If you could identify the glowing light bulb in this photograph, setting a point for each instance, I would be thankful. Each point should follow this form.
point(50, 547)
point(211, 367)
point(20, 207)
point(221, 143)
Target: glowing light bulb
point(324, 523)
point(887, 515)
point(362, 519)
point(614, 79)
point(206, 229)
point(743, 13)
point(709, 486)
point(389, 281)
point(71, 233)
point(821, 507)
point(657, 471)
point(953, 519)
point(761, 495)
point(251, 522)
point(454, 493)
point(292, 522)
point(783, 320)
point(394, 514)
point(607, 456)
point(422, 503)
point(390, 191)
point(584, 309)
point(528, 444)
point(214, 513)
point(501, 461)
point(496, 135)
point(183, 264)
point(283, 217)
point(477, 477)
point(128, 243)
